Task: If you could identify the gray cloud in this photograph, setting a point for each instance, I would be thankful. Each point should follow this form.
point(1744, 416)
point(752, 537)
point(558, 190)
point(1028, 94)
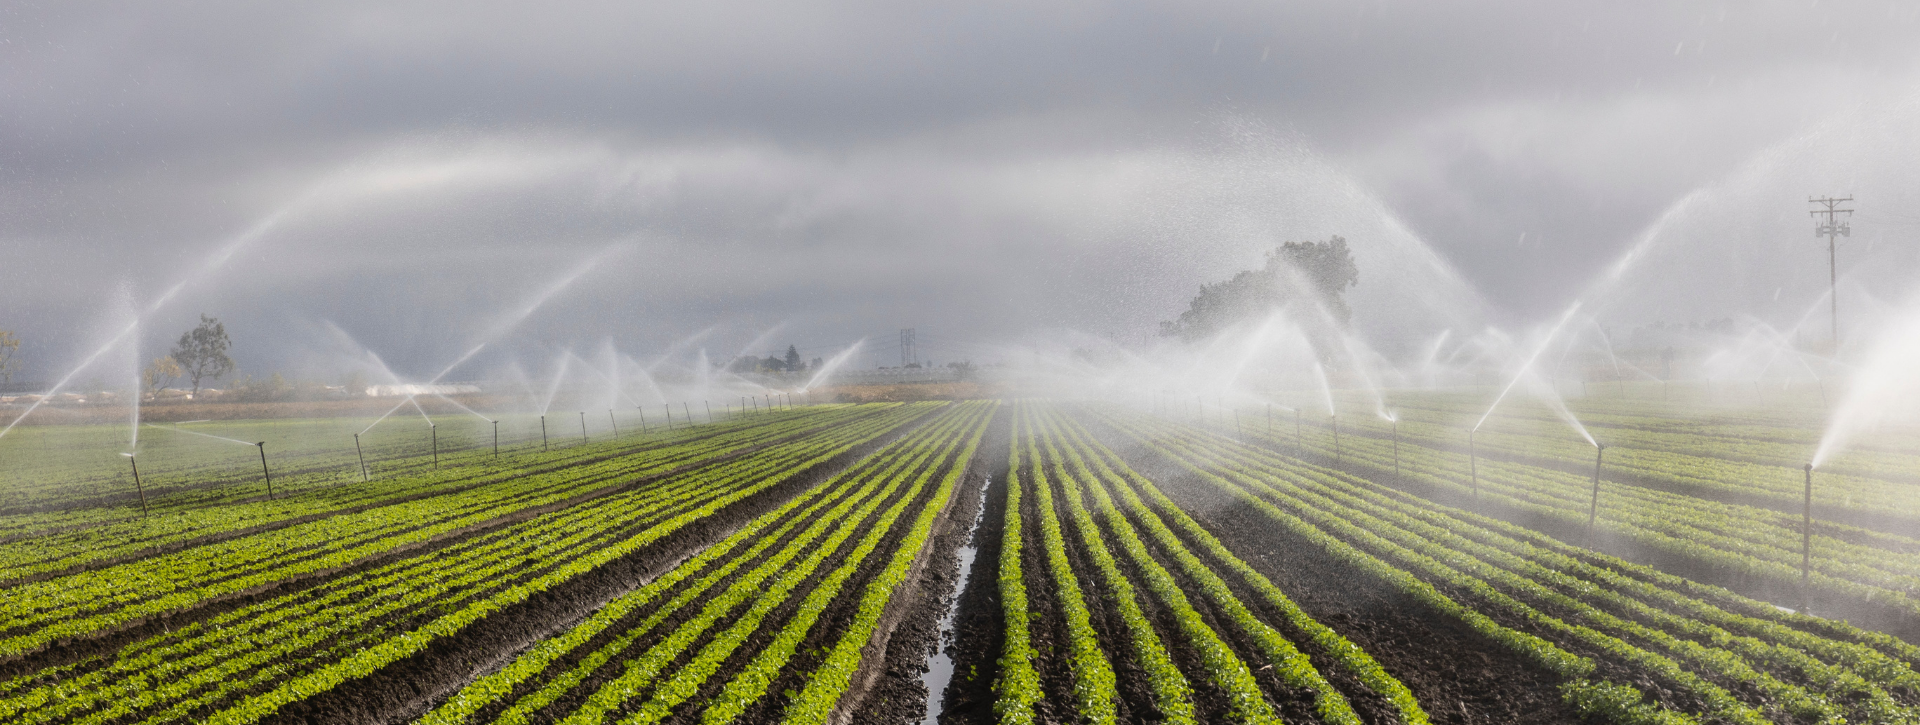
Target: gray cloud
point(982, 171)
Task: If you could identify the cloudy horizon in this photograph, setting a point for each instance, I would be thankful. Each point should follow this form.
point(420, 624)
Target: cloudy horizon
point(986, 173)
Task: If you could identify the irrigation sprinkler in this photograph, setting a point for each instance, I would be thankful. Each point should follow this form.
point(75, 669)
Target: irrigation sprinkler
point(1473, 464)
point(1334, 422)
point(496, 439)
point(136, 484)
point(709, 411)
point(1593, 509)
point(1396, 447)
point(583, 426)
point(689, 413)
point(769, 400)
point(435, 431)
point(743, 405)
point(669, 409)
point(363, 455)
point(643, 418)
point(262, 445)
point(543, 434)
point(614, 423)
point(1806, 544)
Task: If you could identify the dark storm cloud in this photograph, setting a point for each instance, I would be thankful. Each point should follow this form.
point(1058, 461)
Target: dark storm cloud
point(980, 169)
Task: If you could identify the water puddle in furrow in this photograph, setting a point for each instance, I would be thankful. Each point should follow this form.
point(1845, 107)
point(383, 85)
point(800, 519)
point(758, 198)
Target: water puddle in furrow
point(940, 666)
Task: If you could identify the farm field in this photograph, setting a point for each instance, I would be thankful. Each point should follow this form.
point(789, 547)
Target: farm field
point(1070, 561)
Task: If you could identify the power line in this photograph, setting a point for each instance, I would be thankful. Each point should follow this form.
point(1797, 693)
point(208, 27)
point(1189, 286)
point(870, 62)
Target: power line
point(1832, 230)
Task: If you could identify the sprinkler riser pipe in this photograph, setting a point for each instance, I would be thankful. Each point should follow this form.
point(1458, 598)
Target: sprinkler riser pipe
point(435, 430)
point(583, 426)
point(136, 485)
point(1806, 542)
point(496, 439)
point(1593, 509)
point(612, 422)
point(263, 468)
point(543, 434)
point(363, 458)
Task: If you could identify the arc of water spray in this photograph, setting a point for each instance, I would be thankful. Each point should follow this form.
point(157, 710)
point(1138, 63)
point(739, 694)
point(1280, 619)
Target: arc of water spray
point(1527, 368)
point(212, 264)
point(833, 364)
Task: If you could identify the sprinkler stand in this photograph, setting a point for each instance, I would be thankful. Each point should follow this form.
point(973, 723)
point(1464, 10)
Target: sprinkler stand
point(435, 431)
point(614, 423)
point(543, 434)
point(643, 418)
point(669, 409)
point(136, 485)
point(496, 439)
point(1396, 448)
point(709, 411)
point(689, 413)
point(1473, 465)
point(262, 445)
point(1806, 545)
point(1593, 509)
point(1333, 421)
point(583, 426)
point(363, 458)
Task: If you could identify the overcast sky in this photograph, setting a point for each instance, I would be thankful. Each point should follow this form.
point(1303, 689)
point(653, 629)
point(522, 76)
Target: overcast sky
point(414, 173)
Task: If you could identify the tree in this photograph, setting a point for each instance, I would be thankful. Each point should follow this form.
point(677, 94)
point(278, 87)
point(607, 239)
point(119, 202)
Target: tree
point(793, 360)
point(1296, 274)
point(9, 356)
point(160, 374)
point(202, 352)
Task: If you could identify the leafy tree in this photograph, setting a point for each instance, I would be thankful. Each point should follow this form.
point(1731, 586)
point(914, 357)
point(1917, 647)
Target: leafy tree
point(793, 360)
point(202, 352)
point(9, 356)
point(160, 374)
point(1296, 274)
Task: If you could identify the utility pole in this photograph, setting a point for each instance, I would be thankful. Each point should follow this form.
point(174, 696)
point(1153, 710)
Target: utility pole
point(1833, 229)
point(907, 353)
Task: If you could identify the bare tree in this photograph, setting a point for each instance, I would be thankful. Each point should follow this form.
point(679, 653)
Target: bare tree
point(202, 352)
point(160, 374)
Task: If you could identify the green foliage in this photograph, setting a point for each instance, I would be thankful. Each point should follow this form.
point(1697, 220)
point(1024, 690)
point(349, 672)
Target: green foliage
point(202, 351)
point(1307, 277)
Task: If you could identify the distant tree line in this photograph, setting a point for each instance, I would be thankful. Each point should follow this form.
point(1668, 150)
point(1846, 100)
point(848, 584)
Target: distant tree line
point(789, 363)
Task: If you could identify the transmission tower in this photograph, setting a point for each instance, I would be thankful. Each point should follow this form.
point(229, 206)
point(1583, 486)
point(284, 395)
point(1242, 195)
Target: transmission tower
point(907, 354)
point(1833, 229)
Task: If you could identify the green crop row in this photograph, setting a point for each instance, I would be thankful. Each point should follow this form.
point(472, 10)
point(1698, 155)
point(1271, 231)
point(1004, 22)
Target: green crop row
point(685, 680)
point(1421, 536)
point(1293, 666)
point(542, 657)
point(1222, 667)
point(1018, 685)
point(89, 601)
point(50, 552)
point(1094, 683)
point(357, 614)
point(1754, 542)
point(828, 683)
